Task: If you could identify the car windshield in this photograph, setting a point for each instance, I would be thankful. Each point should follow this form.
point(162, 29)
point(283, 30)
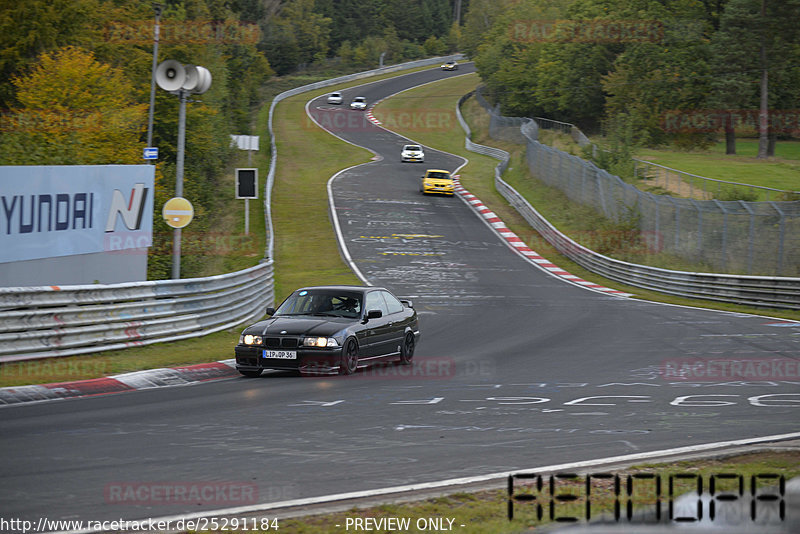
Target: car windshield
point(439, 175)
point(326, 303)
point(413, 147)
point(359, 99)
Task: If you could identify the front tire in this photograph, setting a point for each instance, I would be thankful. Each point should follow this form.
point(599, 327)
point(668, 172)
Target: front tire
point(349, 362)
point(251, 374)
point(407, 350)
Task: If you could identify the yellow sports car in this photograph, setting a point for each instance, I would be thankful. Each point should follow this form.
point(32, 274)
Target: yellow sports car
point(437, 181)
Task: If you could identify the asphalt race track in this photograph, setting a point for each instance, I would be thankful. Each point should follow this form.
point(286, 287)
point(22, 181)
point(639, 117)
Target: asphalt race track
point(515, 369)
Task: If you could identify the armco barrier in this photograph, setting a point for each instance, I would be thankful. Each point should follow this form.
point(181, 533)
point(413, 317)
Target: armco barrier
point(319, 85)
point(49, 321)
point(760, 291)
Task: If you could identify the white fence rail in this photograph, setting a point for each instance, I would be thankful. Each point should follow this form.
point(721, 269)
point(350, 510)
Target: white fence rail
point(760, 291)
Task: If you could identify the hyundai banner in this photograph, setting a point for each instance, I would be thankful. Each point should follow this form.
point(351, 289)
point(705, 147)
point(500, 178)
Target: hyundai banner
point(51, 211)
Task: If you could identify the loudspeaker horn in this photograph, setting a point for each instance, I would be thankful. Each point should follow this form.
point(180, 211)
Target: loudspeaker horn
point(192, 77)
point(170, 75)
point(203, 80)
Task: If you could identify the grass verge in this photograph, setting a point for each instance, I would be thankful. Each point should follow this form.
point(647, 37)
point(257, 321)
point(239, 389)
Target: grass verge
point(780, 172)
point(306, 251)
point(485, 512)
point(478, 178)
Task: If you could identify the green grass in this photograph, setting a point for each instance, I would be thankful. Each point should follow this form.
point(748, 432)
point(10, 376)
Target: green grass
point(478, 177)
point(306, 251)
point(781, 172)
point(485, 512)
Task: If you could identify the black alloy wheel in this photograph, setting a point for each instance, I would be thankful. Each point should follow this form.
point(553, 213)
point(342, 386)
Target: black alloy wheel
point(407, 351)
point(349, 362)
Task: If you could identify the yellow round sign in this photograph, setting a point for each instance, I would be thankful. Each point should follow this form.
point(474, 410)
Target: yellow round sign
point(178, 212)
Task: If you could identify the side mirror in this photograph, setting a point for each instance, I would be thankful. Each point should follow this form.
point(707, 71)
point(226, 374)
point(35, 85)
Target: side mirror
point(270, 311)
point(374, 314)
point(407, 303)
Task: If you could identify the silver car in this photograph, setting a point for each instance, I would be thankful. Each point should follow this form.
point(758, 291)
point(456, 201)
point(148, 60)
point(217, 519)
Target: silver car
point(412, 153)
point(359, 102)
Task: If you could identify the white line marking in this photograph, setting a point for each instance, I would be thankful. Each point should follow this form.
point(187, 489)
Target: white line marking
point(467, 480)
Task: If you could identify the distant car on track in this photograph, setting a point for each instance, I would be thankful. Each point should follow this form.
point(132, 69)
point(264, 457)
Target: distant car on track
point(358, 102)
point(412, 153)
point(437, 181)
point(330, 329)
point(450, 65)
point(335, 98)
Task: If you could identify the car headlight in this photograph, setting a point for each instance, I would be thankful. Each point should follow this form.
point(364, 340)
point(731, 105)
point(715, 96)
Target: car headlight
point(249, 339)
point(320, 342)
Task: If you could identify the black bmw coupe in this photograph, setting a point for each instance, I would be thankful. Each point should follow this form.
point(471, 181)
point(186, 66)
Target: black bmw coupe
point(330, 329)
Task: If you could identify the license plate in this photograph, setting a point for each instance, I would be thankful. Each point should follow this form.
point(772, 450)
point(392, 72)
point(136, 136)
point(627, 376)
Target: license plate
point(281, 354)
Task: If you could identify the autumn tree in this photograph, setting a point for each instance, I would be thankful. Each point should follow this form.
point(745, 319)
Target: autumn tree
point(29, 28)
point(73, 110)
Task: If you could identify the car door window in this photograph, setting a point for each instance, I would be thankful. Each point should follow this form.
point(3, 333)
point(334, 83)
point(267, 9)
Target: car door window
point(375, 301)
point(392, 304)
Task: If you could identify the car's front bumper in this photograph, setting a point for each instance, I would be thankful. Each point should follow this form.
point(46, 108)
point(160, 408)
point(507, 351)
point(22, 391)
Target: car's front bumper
point(441, 189)
point(313, 361)
point(414, 158)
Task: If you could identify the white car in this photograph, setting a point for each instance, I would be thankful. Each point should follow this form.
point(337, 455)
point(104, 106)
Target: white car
point(335, 98)
point(412, 153)
point(359, 102)
point(450, 65)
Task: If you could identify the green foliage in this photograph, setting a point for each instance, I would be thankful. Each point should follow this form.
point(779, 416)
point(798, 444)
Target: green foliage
point(305, 33)
point(74, 110)
point(76, 83)
point(617, 156)
point(564, 61)
point(733, 193)
point(433, 46)
point(30, 28)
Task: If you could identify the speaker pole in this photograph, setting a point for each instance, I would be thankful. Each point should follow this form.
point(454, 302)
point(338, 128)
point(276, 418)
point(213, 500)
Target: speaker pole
point(176, 234)
point(157, 9)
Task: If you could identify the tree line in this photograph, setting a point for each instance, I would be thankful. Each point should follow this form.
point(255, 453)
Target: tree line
point(645, 72)
point(75, 75)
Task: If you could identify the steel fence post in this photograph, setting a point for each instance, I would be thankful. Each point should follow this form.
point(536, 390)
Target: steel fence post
point(782, 233)
point(724, 234)
point(750, 237)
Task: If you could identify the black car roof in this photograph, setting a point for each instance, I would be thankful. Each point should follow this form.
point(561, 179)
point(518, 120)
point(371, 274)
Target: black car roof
point(360, 289)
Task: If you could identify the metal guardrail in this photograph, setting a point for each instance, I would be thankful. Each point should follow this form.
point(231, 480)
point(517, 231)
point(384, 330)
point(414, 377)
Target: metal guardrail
point(759, 291)
point(735, 236)
point(50, 321)
point(320, 85)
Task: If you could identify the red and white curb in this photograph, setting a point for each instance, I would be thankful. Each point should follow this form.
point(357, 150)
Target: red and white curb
point(526, 252)
point(370, 117)
point(153, 378)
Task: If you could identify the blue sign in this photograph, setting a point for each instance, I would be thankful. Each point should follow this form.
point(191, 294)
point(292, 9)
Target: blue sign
point(151, 152)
